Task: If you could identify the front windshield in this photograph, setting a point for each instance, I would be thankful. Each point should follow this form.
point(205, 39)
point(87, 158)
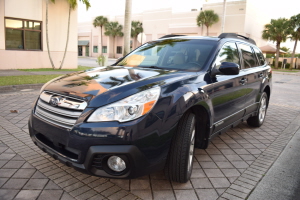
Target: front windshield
point(178, 54)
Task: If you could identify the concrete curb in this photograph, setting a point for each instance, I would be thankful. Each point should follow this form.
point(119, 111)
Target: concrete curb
point(13, 88)
point(286, 73)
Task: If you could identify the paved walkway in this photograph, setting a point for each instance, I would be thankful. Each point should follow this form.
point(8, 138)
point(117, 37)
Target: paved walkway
point(230, 168)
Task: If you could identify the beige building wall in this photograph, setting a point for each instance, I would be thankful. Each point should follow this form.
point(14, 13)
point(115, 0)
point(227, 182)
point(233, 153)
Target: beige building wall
point(14, 8)
point(242, 17)
point(234, 17)
point(58, 21)
point(2, 29)
point(256, 18)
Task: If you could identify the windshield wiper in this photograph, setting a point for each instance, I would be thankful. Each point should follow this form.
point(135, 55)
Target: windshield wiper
point(153, 67)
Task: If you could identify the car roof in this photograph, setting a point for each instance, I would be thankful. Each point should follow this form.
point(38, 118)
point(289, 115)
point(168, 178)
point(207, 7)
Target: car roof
point(223, 36)
point(188, 37)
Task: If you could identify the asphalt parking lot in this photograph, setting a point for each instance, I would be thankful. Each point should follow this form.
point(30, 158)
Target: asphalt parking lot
point(230, 168)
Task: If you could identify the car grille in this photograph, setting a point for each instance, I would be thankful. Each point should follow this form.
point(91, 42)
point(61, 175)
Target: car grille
point(64, 114)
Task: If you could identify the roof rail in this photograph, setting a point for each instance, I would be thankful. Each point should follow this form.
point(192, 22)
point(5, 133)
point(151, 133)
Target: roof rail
point(234, 35)
point(171, 35)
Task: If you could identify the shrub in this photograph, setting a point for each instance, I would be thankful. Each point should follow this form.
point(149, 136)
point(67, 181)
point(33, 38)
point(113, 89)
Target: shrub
point(287, 65)
point(101, 60)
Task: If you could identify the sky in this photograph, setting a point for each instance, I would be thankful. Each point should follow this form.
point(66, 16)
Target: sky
point(275, 9)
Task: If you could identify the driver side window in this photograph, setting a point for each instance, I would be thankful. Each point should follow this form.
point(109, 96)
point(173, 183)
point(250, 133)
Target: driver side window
point(228, 53)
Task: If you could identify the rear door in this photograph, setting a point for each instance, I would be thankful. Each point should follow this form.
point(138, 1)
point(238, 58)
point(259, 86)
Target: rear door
point(254, 68)
point(228, 95)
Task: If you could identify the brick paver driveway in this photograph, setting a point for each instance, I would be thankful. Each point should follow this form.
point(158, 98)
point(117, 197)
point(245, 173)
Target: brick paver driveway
point(229, 169)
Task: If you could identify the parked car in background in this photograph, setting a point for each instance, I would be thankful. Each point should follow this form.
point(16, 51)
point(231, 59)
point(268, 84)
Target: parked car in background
point(152, 108)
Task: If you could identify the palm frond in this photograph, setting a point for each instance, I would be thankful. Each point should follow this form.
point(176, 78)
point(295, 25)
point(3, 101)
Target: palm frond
point(136, 28)
point(100, 21)
point(113, 29)
point(207, 18)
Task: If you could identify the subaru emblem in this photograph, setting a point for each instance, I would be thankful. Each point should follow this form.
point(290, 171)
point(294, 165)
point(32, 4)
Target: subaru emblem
point(54, 101)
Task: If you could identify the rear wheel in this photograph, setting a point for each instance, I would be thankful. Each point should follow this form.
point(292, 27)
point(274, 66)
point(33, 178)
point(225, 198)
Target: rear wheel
point(180, 159)
point(259, 119)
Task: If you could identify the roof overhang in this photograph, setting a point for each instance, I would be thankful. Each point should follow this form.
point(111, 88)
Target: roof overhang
point(83, 43)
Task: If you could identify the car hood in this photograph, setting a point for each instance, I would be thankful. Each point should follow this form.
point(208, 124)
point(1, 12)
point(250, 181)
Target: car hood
point(112, 82)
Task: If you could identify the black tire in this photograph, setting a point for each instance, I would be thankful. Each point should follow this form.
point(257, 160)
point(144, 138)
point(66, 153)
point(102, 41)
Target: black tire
point(258, 120)
point(181, 155)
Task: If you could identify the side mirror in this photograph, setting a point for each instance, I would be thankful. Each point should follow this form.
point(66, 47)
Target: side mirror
point(229, 68)
point(226, 68)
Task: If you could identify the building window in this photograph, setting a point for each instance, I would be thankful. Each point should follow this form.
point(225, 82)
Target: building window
point(21, 34)
point(104, 49)
point(95, 49)
point(119, 50)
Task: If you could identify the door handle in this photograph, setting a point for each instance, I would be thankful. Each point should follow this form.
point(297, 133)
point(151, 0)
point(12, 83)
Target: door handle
point(260, 75)
point(243, 81)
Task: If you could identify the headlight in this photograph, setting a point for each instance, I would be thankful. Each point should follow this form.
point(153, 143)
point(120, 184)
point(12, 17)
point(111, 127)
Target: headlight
point(127, 109)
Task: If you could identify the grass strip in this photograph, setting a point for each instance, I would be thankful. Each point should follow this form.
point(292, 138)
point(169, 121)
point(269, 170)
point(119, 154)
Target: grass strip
point(26, 79)
point(79, 68)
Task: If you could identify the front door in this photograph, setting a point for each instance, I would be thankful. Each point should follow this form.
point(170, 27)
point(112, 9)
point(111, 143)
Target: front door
point(87, 51)
point(229, 91)
point(79, 50)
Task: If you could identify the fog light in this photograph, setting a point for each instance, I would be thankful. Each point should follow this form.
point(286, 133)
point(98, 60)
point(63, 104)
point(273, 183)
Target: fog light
point(116, 163)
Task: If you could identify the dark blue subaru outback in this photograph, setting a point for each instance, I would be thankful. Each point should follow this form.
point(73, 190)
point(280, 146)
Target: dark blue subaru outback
point(152, 108)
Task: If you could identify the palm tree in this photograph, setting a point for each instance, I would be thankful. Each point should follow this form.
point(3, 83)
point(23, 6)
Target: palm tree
point(277, 31)
point(47, 38)
point(113, 29)
point(100, 21)
point(136, 28)
point(295, 34)
point(127, 27)
point(207, 18)
point(72, 6)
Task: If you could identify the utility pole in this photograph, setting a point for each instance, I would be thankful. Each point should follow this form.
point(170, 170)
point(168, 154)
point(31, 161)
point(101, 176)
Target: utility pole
point(127, 27)
point(223, 20)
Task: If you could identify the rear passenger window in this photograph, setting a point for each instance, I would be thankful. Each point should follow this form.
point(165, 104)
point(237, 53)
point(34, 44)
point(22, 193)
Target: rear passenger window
point(228, 53)
point(259, 55)
point(249, 58)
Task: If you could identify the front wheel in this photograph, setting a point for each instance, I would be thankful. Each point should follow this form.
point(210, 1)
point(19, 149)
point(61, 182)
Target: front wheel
point(259, 119)
point(180, 159)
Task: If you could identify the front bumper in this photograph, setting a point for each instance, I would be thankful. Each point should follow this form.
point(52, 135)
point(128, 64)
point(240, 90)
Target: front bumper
point(136, 160)
point(84, 152)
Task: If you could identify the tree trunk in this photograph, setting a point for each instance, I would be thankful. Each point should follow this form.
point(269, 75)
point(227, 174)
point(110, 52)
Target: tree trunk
point(206, 30)
point(68, 31)
point(293, 54)
point(127, 27)
point(114, 47)
point(277, 54)
point(47, 38)
point(223, 19)
point(133, 43)
point(101, 41)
